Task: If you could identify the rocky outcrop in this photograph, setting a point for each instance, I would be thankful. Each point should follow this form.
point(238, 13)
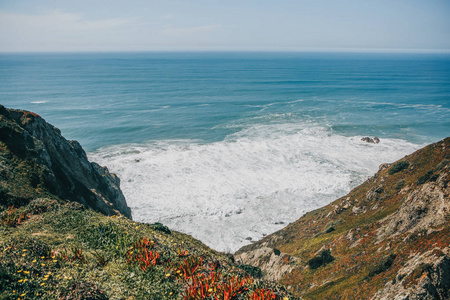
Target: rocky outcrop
point(424, 208)
point(36, 160)
point(389, 237)
point(425, 277)
point(369, 140)
point(272, 262)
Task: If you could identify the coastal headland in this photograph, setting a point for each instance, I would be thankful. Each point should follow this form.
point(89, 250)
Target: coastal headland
point(66, 233)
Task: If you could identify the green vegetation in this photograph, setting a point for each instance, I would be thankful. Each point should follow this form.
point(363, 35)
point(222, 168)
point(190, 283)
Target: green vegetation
point(398, 167)
point(251, 270)
point(382, 266)
point(426, 177)
point(322, 259)
point(63, 250)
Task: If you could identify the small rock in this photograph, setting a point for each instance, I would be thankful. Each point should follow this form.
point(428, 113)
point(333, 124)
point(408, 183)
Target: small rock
point(367, 139)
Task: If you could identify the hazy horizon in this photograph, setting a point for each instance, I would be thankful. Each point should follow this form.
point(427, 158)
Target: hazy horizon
point(237, 26)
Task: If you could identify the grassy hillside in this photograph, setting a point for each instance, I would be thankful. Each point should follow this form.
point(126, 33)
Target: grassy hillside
point(55, 250)
point(64, 231)
point(389, 235)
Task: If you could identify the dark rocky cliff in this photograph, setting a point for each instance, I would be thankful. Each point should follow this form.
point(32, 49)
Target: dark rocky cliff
point(36, 161)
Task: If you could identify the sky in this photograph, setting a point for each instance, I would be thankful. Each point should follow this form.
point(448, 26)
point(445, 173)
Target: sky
point(224, 25)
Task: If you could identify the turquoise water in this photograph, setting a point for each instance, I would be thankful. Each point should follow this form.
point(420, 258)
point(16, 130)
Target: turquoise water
point(226, 146)
point(107, 99)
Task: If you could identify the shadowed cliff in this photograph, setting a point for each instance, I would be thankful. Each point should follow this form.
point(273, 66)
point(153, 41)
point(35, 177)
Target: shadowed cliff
point(36, 161)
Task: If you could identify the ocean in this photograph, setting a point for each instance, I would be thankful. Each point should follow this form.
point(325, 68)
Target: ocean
point(230, 147)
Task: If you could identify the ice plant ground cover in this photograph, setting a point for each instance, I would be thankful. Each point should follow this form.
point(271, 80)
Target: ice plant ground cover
point(65, 250)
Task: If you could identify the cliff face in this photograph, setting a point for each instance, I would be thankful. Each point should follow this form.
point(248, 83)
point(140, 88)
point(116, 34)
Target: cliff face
point(387, 239)
point(35, 160)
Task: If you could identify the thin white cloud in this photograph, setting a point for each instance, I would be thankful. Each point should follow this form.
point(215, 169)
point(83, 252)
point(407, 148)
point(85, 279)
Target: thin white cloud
point(61, 31)
point(58, 30)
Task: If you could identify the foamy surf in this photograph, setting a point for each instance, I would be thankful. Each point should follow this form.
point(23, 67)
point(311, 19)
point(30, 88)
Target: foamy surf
point(251, 184)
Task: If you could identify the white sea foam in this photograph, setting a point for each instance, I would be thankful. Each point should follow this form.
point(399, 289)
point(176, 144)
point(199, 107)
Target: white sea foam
point(39, 102)
point(251, 184)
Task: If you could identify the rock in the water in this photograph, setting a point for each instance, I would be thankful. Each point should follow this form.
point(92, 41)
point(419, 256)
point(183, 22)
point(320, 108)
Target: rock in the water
point(367, 139)
point(51, 164)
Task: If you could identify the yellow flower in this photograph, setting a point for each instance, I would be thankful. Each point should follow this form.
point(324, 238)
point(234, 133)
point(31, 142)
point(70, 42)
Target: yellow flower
point(43, 265)
point(210, 290)
point(34, 261)
point(49, 272)
point(25, 280)
point(170, 293)
point(24, 254)
point(285, 298)
point(70, 277)
point(26, 272)
point(42, 257)
point(54, 260)
point(22, 295)
point(20, 280)
point(168, 275)
point(19, 271)
point(42, 284)
point(76, 265)
point(45, 278)
point(14, 291)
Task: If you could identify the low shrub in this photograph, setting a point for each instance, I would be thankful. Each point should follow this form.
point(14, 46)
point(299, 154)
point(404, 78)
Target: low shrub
point(83, 290)
point(251, 270)
point(385, 264)
point(398, 166)
point(41, 205)
point(322, 259)
point(427, 176)
point(161, 227)
point(13, 217)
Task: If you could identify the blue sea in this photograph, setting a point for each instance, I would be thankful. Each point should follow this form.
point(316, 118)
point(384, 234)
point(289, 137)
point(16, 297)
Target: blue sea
point(229, 147)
